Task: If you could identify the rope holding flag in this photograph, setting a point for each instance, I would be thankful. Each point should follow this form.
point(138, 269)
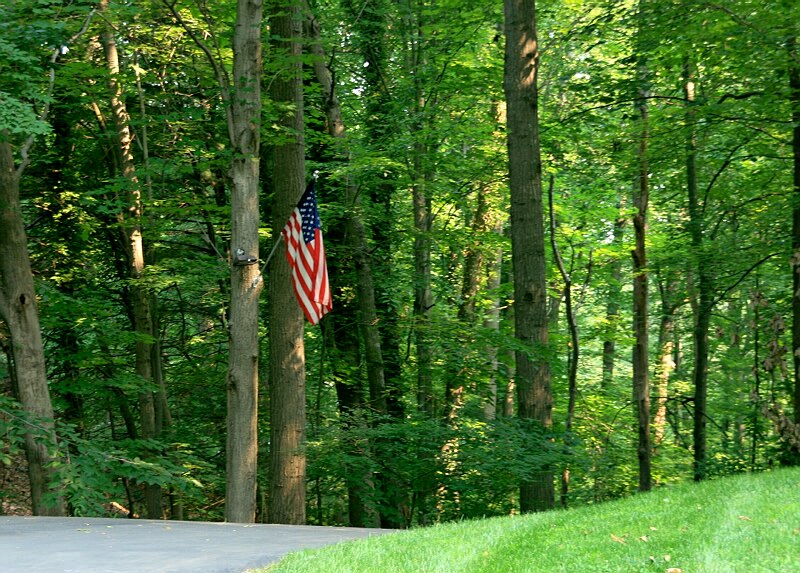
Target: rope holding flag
point(306, 254)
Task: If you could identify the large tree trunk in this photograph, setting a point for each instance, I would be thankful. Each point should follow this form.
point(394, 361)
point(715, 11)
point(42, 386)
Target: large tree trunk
point(641, 323)
point(527, 236)
point(287, 354)
point(246, 283)
point(19, 310)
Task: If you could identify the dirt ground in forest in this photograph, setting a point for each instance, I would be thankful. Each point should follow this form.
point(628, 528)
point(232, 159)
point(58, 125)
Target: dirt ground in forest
point(15, 493)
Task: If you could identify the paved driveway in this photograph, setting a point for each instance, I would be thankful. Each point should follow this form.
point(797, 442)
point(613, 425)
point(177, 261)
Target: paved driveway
point(89, 545)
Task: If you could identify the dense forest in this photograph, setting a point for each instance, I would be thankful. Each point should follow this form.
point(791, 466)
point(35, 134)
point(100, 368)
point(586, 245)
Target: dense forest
point(562, 244)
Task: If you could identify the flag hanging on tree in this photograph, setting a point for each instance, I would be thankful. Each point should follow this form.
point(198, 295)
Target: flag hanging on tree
point(306, 254)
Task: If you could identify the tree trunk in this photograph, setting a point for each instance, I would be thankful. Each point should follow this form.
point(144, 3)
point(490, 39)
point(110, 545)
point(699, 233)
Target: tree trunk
point(641, 375)
point(612, 305)
point(246, 283)
point(344, 353)
point(356, 236)
point(574, 355)
point(492, 406)
point(287, 353)
point(423, 221)
point(527, 236)
point(131, 239)
point(666, 345)
point(703, 303)
point(370, 27)
point(367, 309)
point(794, 94)
point(456, 381)
point(19, 310)
point(423, 295)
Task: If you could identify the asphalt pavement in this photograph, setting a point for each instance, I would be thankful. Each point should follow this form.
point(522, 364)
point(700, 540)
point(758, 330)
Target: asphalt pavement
point(95, 545)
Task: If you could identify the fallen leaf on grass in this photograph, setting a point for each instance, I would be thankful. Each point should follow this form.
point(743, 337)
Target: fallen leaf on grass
point(674, 570)
point(644, 538)
point(745, 518)
point(618, 539)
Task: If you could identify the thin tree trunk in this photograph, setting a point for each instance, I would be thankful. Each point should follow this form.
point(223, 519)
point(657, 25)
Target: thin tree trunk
point(287, 352)
point(19, 310)
point(370, 26)
point(367, 309)
point(132, 241)
point(350, 401)
point(527, 236)
point(455, 381)
point(612, 306)
point(423, 224)
point(356, 235)
point(423, 295)
point(572, 374)
point(703, 303)
point(492, 407)
point(163, 417)
point(641, 375)
point(666, 345)
point(794, 95)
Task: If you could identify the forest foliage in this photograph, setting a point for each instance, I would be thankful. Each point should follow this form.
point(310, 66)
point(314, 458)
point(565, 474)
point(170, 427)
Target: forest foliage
point(423, 165)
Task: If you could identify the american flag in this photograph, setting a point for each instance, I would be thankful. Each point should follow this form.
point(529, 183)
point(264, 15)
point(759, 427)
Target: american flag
point(306, 254)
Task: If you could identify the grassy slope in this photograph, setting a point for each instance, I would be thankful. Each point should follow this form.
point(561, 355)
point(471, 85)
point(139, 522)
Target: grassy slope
point(744, 524)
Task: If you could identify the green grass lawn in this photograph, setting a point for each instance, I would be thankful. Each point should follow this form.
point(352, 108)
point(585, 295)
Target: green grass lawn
point(744, 524)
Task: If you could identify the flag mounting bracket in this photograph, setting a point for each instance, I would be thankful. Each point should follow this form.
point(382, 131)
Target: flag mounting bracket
point(242, 259)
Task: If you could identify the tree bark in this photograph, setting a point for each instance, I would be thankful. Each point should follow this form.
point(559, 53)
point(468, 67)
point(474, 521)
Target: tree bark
point(666, 363)
point(492, 406)
point(574, 355)
point(423, 295)
point(133, 244)
point(370, 28)
point(367, 310)
point(794, 95)
point(641, 375)
point(246, 283)
point(423, 218)
point(455, 379)
point(356, 236)
point(535, 400)
point(287, 352)
point(19, 310)
point(612, 306)
point(703, 303)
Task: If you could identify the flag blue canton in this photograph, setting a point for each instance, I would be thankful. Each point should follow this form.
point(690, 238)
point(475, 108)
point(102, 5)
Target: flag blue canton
point(309, 215)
